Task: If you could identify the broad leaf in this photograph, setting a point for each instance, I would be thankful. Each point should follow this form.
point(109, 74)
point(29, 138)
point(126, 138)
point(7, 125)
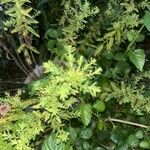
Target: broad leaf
point(86, 133)
point(51, 44)
point(117, 136)
point(140, 38)
point(99, 106)
point(145, 144)
point(139, 134)
point(52, 33)
point(137, 57)
point(86, 145)
point(123, 68)
point(50, 143)
point(147, 20)
point(133, 141)
point(124, 146)
point(86, 113)
point(72, 135)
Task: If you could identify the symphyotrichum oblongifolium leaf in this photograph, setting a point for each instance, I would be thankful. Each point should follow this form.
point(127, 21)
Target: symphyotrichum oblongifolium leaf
point(99, 106)
point(85, 113)
point(137, 57)
point(50, 143)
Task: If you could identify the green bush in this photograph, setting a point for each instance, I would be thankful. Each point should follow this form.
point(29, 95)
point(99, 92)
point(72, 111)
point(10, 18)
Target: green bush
point(94, 93)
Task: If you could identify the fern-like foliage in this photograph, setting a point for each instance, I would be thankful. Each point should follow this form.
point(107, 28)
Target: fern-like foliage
point(124, 18)
point(56, 98)
point(20, 19)
point(18, 127)
point(127, 94)
point(74, 18)
point(64, 87)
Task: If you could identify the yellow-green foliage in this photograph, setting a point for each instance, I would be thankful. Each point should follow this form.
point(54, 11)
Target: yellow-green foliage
point(124, 17)
point(59, 92)
point(129, 94)
point(75, 18)
point(55, 100)
point(18, 127)
point(20, 18)
point(70, 87)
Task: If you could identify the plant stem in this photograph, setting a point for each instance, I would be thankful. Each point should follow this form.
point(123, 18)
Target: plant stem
point(13, 57)
point(126, 122)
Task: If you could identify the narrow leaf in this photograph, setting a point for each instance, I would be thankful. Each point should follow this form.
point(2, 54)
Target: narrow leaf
point(32, 31)
point(147, 20)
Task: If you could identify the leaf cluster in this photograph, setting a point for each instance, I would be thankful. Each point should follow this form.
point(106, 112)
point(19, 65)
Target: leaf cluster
point(94, 93)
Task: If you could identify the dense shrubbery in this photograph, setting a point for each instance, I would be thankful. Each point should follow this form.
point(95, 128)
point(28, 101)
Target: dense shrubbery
point(94, 93)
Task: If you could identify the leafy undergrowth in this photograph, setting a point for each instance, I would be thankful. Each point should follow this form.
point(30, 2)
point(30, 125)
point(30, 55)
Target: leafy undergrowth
point(94, 93)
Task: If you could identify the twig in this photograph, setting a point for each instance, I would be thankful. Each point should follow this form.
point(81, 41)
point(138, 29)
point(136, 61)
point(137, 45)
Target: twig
point(14, 58)
point(10, 90)
point(11, 82)
point(126, 122)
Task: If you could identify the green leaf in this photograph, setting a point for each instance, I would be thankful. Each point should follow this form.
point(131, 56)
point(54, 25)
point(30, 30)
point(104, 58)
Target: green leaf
point(26, 13)
point(123, 68)
point(139, 134)
point(104, 135)
point(21, 48)
point(99, 106)
point(137, 57)
point(98, 50)
point(123, 147)
point(117, 136)
point(99, 148)
point(133, 141)
point(33, 49)
point(86, 145)
point(5, 146)
point(100, 124)
point(86, 133)
point(72, 135)
point(145, 144)
point(85, 113)
point(79, 145)
point(42, 2)
point(50, 143)
point(32, 31)
point(52, 33)
point(119, 56)
point(51, 44)
point(148, 128)
point(147, 20)
point(140, 38)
